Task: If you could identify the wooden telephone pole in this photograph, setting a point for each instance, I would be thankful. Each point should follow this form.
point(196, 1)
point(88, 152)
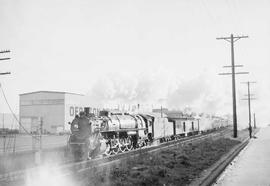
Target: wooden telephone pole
point(4, 73)
point(254, 120)
point(5, 58)
point(232, 39)
point(249, 108)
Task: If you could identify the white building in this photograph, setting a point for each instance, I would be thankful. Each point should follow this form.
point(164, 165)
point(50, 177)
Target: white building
point(54, 109)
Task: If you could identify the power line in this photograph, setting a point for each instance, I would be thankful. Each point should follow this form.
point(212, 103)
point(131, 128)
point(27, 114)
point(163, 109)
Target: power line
point(14, 115)
point(208, 12)
point(5, 73)
point(232, 39)
point(11, 136)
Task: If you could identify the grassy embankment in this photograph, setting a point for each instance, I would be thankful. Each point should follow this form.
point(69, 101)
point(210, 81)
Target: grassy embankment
point(176, 166)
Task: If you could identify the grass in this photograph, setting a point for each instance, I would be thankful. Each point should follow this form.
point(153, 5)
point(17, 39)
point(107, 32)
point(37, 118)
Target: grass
point(175, 166)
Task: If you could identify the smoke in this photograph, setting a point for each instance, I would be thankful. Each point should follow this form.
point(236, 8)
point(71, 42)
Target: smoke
point(47, 175)
point(158, 88)
point(187, 93)
point(115, 89)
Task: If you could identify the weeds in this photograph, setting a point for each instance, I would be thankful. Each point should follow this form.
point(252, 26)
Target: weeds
point(175, 166)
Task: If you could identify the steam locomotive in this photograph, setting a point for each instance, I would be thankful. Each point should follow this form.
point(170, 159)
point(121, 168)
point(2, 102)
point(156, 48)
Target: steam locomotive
point(114, 132)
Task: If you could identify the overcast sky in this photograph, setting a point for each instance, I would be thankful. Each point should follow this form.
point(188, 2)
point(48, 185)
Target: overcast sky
point(155, 52)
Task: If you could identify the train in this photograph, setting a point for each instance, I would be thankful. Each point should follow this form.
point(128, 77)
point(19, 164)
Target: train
point(115, 132)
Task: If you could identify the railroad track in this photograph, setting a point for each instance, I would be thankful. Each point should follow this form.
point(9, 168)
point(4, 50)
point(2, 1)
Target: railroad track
point(14, 178)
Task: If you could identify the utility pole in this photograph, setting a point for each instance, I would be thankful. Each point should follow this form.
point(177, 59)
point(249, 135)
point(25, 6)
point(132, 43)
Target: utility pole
point(38, 152)
point(2, 52)
point(249, 109)
point(232, 39)
point(4, 73)
point(198, 124)
point(3, 121)
point(254, 119)
point(5, 58)
point(40, 133)
point(4, 133)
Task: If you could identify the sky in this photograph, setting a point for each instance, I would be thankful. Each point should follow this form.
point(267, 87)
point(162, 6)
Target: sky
point(150, 52)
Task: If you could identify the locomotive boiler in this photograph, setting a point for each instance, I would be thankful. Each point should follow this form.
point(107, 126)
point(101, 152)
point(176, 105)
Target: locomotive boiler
point(121, 131)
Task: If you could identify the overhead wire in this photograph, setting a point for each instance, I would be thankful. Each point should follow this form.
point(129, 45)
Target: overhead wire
point(232, 10)
point(11, 137)
point(14, 115)
point(208, 12)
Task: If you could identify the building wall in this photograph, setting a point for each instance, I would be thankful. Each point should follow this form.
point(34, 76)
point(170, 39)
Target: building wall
point(47, 105)
point(56, 109)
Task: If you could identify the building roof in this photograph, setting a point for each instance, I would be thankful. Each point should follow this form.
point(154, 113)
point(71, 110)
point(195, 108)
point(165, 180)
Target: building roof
point(57, 92)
